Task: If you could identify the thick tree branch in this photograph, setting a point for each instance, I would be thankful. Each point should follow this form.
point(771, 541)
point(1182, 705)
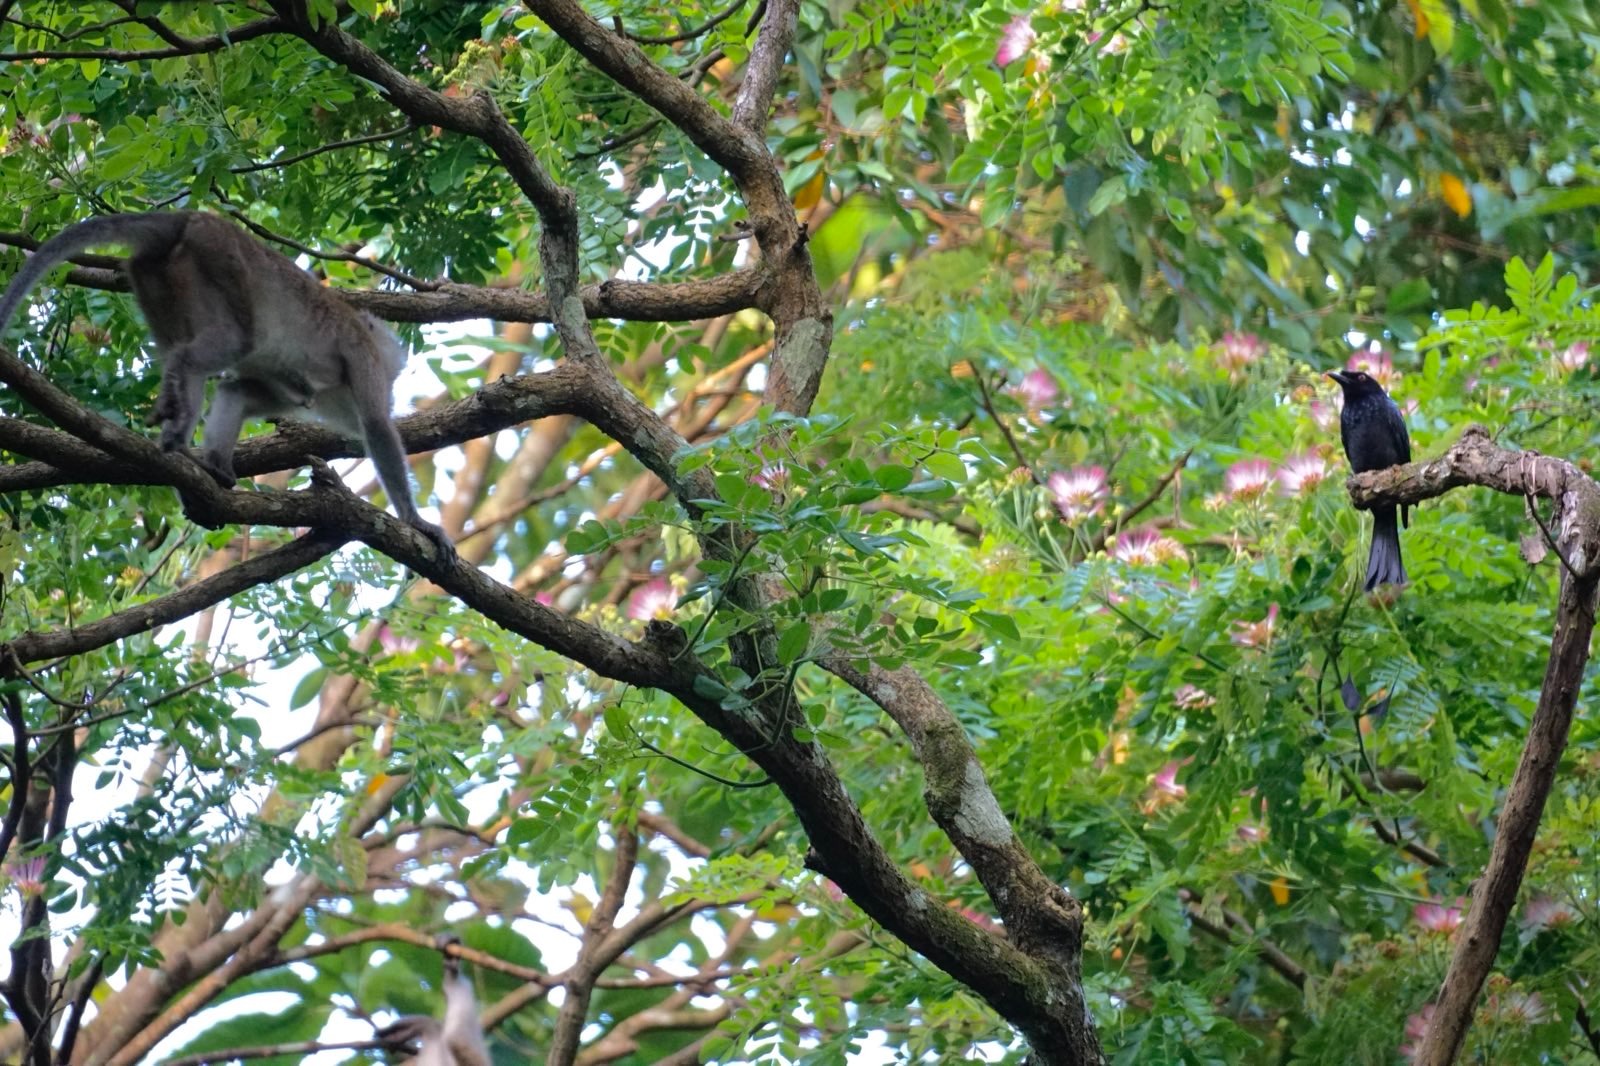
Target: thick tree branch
point(1041, 918)
point(1476, 460)
point(761, 70)
point(741, 152)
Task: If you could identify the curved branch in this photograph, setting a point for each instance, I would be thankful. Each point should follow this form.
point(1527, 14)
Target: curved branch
point(450, 301)
point(1476, 460)
point(186, 46)
point(688, 35)
point(754, 102)
point(175, 606)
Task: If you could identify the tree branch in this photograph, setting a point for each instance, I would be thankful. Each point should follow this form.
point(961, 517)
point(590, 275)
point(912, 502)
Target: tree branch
point(1476, 460)
point(1041, 918)
point(754, 101)
point(175, 606)
point(580, 979)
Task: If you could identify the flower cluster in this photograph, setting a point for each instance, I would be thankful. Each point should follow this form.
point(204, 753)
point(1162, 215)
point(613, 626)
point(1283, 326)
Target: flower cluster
point(1145, 546)
point(1235, 351)
point(1256, 634)
point(651, 600)
point(1376, 365)
point(1079, 492)
point(1439, 917)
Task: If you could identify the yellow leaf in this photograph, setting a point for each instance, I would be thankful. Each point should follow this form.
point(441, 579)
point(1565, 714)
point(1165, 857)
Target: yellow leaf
point(1280, 891)
point(1456, 196)
point(376, 783)
point(810, 194)
point(1420, 16)
point(1435, 22)
point(779, 913)
point(581, 906)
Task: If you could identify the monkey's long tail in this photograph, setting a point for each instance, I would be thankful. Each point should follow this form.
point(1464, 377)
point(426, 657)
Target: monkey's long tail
point(144, 232)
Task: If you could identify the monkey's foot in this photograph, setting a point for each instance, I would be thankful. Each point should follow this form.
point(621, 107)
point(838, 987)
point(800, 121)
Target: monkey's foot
point(441, 540)
point(221, 470)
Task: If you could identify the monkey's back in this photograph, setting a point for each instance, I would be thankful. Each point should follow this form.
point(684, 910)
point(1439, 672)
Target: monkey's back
point(217, 284)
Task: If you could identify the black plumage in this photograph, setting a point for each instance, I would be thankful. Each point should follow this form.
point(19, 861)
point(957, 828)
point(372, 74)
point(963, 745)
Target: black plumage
point(1375, 438)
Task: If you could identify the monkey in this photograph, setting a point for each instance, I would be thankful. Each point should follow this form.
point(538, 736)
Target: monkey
point(220, 304)
point(458, 1041)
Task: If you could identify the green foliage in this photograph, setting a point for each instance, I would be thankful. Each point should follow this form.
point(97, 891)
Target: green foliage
point(1132, 248)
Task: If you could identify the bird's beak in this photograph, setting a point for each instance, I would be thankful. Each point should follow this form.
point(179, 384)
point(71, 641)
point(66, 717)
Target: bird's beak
point(1339, 376)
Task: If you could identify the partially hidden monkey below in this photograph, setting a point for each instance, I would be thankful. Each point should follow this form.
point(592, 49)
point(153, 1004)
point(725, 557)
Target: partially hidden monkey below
point(458, 1040)
point(221, 304)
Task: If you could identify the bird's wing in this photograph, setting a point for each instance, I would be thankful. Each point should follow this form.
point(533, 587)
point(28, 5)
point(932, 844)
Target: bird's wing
point(1397, 422)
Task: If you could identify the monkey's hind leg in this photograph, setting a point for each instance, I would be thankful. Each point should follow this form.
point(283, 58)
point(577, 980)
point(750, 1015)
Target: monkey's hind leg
point(185, 367)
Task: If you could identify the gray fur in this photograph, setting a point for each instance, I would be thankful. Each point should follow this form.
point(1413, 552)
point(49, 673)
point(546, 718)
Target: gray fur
point(220, 304)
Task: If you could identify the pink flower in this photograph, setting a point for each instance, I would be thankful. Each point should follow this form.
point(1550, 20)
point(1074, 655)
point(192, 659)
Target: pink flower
point(1300, 473)
point(1377, 364)
point(1117, 44)
point(1079, 492)
point(1166, 779)
point(28, 875)
point(1416, 1028)
point(982, 921)
point(1191, 698)
point(1251, 833)
point(1037, 390)
point(1573, 356)
point(391, 641)
point(1256, 634)
point(1247, 479)
point(1164, 788)
point(1015, 40)
point(774, 477)
point(1439, 917)
point(1517, 1007)
point(1145, 546)
point(653, 599)
point(1325, 416)
point(1235, 351)
point(1547, 912)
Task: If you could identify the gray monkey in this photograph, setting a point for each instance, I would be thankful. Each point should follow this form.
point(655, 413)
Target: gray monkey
point(458, 1041)
point(221, 304)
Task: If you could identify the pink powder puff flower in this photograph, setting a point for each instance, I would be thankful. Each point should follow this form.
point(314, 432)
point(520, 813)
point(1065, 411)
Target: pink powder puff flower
point(653, 599)
point(1079, 492)
point(1247, 479)
point(1325, 416)
point(1416, 1028)
point(1235, 351)
point(27, 875)
point(1301, 473)
point(1439, 917)
point(1573, 356)
point(1547, 912)
point(1037, 390)
point(1145, 546)
point(1015, 40)
point(1256, 634)
point(1377, 365)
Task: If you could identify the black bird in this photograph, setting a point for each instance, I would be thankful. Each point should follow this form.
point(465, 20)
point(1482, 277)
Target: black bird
point(1375, 438)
